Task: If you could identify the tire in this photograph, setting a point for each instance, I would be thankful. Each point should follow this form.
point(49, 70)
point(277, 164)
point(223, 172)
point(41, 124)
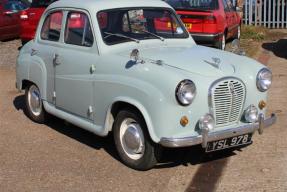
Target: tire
point(24, 42)
point(33, 104)
point(132, 141)
point(221, 43)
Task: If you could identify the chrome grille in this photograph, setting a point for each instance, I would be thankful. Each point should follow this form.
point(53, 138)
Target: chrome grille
point(227, 99)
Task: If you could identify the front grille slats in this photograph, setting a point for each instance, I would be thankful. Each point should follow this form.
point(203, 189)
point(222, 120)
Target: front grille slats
point(228, 97)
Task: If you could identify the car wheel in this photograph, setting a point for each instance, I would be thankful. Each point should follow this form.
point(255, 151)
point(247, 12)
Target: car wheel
point(34, 106)
point(221, 43)
point(132, 141)
point(24, 42)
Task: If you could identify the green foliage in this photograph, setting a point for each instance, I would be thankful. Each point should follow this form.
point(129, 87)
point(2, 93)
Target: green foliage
point(253, 33)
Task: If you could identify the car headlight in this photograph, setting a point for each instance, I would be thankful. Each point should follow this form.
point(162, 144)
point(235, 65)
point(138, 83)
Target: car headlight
point(264, 79)
point(185, 92)
point(251, 114)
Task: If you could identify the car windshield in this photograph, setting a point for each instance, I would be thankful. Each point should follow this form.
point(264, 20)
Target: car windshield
point(193, 4)
point(41, 3)
point(123, 25)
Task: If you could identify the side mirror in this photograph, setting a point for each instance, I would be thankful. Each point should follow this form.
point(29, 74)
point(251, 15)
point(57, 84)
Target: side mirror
point(238, 9)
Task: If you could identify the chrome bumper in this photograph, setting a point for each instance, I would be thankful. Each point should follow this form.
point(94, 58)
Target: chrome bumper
point(217, 135)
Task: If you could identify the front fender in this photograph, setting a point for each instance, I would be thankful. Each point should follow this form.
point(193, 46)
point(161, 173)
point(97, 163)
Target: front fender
point(109, 119)
point(30, 67)
point(38, 74)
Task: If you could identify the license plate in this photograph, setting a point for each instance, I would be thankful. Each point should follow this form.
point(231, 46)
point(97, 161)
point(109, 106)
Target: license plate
point(188, 25)
point(228, 142)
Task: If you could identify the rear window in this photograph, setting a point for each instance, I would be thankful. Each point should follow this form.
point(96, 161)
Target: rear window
point(51, 28)
point(41, 3)
point(199, 5)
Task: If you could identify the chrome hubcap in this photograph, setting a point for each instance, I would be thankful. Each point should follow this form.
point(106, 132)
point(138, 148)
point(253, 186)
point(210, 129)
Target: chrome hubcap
point(34, 100)
point(132, 139)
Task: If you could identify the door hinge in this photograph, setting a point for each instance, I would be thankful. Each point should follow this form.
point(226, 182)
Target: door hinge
point(90, 110)
point(54, 96)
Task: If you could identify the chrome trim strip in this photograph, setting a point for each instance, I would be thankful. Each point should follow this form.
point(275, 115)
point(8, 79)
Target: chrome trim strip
point(205, 35)
point(216, 135)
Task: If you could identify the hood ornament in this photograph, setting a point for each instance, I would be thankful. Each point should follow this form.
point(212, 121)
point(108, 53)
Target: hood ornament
point(215, 62)
point(135, 56)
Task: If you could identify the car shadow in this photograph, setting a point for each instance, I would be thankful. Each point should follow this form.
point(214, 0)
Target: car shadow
point(170, 157)
point(278, 48)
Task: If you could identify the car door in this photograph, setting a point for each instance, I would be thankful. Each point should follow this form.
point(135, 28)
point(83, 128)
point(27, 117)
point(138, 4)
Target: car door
point(1, 21)
point(47, 48)
point(228, 16)
point(74, 67)
point(8, 24)
point(233, 18)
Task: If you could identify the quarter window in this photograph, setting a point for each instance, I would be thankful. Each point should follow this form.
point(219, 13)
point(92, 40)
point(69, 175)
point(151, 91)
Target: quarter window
point(51, 29)
point(78, 30)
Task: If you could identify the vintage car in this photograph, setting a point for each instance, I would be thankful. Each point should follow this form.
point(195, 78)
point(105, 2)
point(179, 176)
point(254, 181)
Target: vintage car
point(111, 66)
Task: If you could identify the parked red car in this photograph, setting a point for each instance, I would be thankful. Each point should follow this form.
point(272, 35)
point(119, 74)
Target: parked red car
point(9, 19)
point(31, 17)
point(209, 21)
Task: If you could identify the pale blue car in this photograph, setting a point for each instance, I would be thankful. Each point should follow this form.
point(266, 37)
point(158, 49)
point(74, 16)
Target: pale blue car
point(131, 68)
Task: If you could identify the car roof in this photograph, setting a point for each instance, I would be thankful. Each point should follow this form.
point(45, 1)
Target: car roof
point(97, 5)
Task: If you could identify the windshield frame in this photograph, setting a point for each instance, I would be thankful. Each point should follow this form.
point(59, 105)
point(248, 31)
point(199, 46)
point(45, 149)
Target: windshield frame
point(186, 34)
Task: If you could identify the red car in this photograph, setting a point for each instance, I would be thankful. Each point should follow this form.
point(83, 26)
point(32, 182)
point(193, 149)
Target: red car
point(209, 21)
point(9, 19)
point(31, 17)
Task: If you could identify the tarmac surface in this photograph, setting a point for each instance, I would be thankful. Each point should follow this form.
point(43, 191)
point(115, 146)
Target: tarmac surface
point(58, 156)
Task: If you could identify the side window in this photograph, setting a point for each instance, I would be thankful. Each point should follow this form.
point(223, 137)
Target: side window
point(51, 28)
point(225, 5)
point(78, 30)
point(230, 5)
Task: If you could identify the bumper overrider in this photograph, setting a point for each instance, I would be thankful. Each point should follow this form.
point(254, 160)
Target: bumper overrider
point(208, 136)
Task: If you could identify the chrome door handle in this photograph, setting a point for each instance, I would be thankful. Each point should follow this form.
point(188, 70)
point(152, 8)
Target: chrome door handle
point(92, 69)
point(56, 59)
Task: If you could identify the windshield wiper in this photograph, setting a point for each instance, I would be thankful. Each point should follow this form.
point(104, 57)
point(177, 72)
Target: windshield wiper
point(145, 31)
point(120, 35)
point(155, 35)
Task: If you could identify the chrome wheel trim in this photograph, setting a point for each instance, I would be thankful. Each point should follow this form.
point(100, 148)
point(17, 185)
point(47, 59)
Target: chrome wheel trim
point(132, 139)
point(223, 42)
point(34, 100)
point(238, 32)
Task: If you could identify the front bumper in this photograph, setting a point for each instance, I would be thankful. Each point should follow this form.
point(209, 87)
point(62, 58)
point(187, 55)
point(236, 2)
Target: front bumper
point(205, 137)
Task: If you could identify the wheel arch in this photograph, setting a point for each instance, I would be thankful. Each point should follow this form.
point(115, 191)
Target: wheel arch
point(123, 103)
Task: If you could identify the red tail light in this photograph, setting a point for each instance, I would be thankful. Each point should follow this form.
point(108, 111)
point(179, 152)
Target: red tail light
point(24, 15)
point(209, 20)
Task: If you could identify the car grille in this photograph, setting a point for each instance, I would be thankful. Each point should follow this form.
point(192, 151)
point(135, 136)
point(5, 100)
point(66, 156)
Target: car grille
point(227, 99)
